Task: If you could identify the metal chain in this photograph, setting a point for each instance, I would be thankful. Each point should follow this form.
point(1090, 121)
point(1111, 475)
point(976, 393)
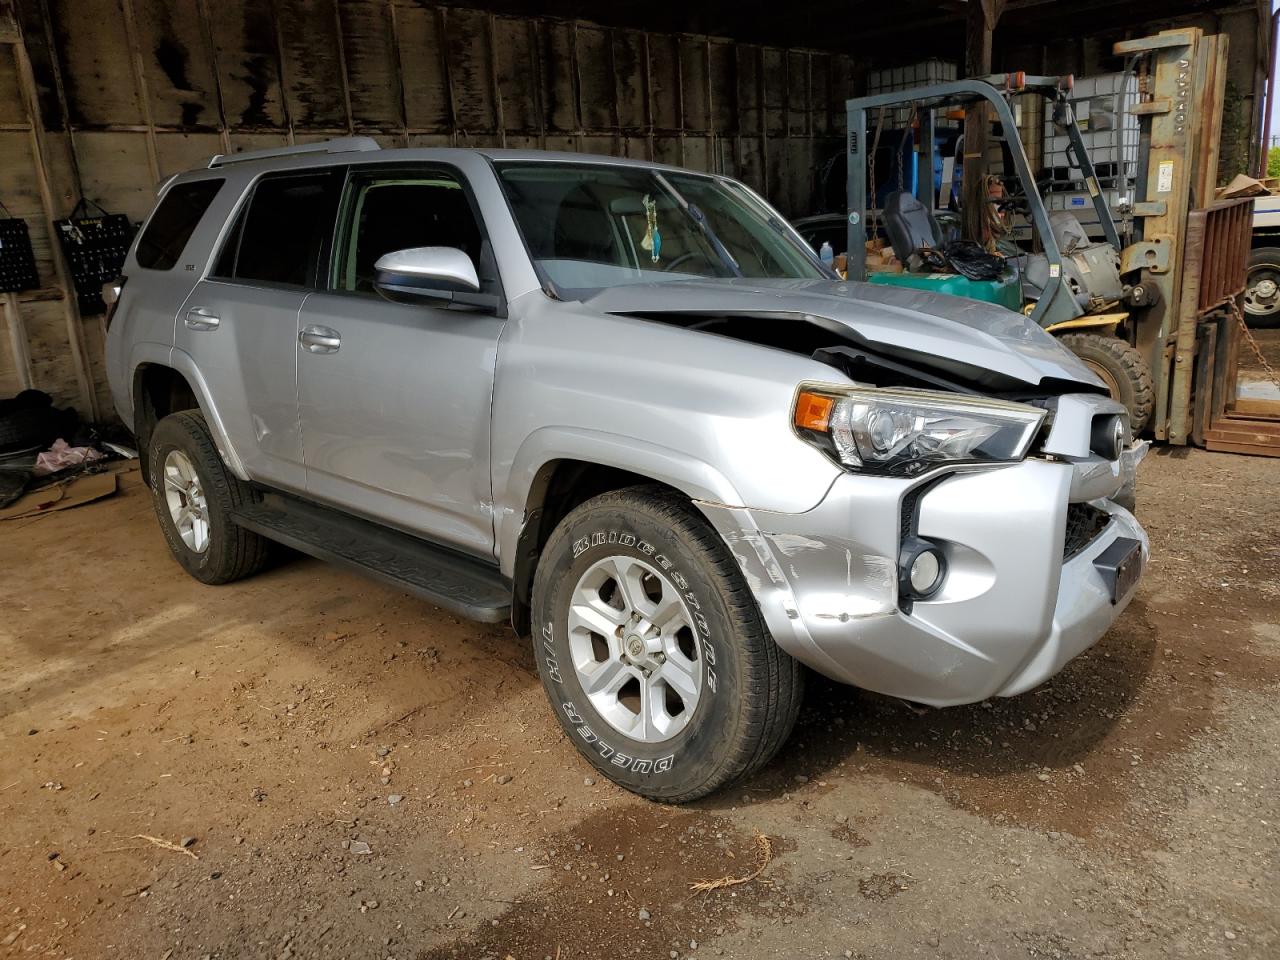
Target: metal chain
point(871, 169)
point(1249, 338)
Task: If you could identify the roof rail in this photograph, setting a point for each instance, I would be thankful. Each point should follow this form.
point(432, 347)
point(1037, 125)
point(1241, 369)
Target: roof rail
point(337, 145)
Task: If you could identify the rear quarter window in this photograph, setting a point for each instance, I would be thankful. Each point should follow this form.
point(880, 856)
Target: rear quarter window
point(171, 226)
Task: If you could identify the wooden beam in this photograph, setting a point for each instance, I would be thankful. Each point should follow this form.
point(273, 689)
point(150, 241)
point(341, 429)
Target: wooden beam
point(342, 68)
point(980, 25)
point(140, 85)
point(70, 306)
point(18, 344)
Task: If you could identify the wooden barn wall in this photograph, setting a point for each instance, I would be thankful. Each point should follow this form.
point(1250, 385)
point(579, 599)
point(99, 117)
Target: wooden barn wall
point(104, 98)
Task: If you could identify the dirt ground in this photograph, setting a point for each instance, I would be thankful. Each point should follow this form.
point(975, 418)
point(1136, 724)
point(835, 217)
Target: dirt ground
point(361, 775)
point(1269, 343)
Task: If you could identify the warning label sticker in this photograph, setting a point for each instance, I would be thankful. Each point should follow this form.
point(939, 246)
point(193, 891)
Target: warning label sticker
point(1164, 177)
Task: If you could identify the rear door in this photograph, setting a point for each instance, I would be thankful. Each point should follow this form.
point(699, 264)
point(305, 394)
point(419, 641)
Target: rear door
point(394, 398)
point(240, 324)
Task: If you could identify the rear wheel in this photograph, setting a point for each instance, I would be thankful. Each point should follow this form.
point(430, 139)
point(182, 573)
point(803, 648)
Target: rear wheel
point(1262, 288)
point(652, 649)
point(1121, 368)
point(194, 495)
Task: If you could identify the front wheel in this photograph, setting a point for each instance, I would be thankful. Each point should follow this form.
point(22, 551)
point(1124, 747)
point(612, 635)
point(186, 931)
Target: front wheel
point(1262, 288)
point(1121, 368)
point(652, 650)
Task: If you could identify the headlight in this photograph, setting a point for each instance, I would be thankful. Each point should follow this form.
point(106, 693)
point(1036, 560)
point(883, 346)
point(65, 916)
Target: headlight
point(905, 432)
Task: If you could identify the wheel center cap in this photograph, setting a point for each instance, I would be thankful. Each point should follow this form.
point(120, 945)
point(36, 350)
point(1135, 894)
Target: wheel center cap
point(635, 647)
point(1265, 290)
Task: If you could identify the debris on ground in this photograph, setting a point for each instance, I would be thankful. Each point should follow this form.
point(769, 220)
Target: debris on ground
point(165, 844)
point(764, 854)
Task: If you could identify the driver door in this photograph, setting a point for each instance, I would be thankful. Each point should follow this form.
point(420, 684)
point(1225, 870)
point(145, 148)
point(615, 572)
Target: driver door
point(394, 398)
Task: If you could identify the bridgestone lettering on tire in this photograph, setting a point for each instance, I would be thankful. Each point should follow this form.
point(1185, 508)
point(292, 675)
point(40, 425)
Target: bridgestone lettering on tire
point(733, 695)
point(1122, 368)
point(231, 552)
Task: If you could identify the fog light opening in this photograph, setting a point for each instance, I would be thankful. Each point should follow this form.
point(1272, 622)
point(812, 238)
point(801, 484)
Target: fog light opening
point(922, 569)
point(925, 572)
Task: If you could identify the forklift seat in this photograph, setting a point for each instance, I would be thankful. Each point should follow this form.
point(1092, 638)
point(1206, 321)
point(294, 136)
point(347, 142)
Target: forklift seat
point(910, 226)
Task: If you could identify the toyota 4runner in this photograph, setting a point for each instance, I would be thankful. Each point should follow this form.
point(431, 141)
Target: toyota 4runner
point(624, 407)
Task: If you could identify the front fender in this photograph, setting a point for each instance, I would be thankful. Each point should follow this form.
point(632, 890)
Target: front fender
point(694, 477)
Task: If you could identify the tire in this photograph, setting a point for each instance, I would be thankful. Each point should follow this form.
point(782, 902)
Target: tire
point(20, 429)
point(1263, 312)
point(229, 552)
point(1121, 368)
point(749, 692)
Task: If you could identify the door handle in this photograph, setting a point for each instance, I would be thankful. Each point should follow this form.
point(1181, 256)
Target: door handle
point(318, 339)
point(198, 318)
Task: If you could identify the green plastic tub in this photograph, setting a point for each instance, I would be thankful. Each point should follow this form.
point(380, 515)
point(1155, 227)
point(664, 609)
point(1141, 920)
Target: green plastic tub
point(1004, 291)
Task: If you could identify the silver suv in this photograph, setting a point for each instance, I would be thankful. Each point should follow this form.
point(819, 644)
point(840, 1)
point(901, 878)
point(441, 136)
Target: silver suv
point(626, 408)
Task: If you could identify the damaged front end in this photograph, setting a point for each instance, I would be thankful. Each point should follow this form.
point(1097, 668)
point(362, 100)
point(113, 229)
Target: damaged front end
point(980, 534)
point(1022, 585)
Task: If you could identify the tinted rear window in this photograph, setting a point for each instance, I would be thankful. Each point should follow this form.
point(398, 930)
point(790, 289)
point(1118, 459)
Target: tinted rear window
point(288, 221)
point(173, 223)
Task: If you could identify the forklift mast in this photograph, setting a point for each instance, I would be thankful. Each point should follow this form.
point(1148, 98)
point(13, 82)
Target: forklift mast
point(1056, 304)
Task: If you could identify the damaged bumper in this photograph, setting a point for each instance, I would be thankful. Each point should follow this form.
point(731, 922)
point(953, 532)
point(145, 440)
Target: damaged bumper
point(1022, 594)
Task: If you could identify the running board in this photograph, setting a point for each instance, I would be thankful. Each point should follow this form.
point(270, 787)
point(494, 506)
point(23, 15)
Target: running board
point(459, 584)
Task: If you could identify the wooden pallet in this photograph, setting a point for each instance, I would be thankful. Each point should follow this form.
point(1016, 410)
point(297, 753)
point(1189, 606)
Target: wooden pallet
point(1243, 435)
point(1220, 420)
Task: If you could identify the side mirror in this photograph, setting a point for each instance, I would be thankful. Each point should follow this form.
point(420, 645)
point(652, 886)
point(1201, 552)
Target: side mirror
point(425, 272)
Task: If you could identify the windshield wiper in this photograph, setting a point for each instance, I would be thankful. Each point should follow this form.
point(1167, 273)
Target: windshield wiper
point(700, 221)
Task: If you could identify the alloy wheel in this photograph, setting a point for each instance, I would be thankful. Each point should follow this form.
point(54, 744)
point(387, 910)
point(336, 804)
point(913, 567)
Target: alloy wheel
point(185, 498)
point(634, 648)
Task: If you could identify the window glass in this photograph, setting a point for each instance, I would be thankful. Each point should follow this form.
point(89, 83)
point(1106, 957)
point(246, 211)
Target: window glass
point(591, 226)
point(388, 213)
point(171, 226)
point(285, 228)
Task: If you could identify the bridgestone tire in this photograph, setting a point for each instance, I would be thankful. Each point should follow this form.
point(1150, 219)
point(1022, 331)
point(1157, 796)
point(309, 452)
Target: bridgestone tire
point(1264, 261)
point(751, 689)
point(232, 552)
point(1123, 366)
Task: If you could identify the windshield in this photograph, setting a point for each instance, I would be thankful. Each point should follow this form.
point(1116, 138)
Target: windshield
point(588, 227)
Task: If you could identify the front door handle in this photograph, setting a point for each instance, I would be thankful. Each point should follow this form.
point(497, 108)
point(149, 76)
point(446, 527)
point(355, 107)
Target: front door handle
point(318, 339)
point(198, 318)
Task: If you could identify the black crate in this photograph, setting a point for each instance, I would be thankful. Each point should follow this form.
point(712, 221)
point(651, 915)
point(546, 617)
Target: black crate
point(17, 259)
point(95, 249)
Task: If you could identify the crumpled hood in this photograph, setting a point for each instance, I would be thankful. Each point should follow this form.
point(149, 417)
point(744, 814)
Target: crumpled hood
point(944, 332)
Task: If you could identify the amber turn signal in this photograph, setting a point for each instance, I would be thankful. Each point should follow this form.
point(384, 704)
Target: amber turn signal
point(813, 411)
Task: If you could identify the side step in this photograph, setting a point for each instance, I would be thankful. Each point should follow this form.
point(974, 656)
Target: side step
point(460, 584)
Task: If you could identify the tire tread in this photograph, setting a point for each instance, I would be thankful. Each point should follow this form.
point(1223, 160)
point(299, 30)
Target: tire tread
point(1130, 363)
point(774, 681)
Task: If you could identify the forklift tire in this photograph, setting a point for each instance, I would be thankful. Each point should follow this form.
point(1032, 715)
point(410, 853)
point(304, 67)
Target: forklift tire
point(1121, 368)
point(1262, 289)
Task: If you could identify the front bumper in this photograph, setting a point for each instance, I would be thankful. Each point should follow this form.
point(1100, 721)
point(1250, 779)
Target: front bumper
point(1011, 613)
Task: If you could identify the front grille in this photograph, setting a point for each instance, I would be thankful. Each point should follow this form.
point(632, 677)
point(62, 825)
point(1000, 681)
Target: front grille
point(1083, 524)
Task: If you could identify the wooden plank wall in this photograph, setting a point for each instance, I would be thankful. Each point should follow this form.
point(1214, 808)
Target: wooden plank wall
point(125, 92)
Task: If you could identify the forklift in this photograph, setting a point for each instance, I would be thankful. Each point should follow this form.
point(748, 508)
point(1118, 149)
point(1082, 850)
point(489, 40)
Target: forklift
point(1159, 316)
point(1068, 283)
